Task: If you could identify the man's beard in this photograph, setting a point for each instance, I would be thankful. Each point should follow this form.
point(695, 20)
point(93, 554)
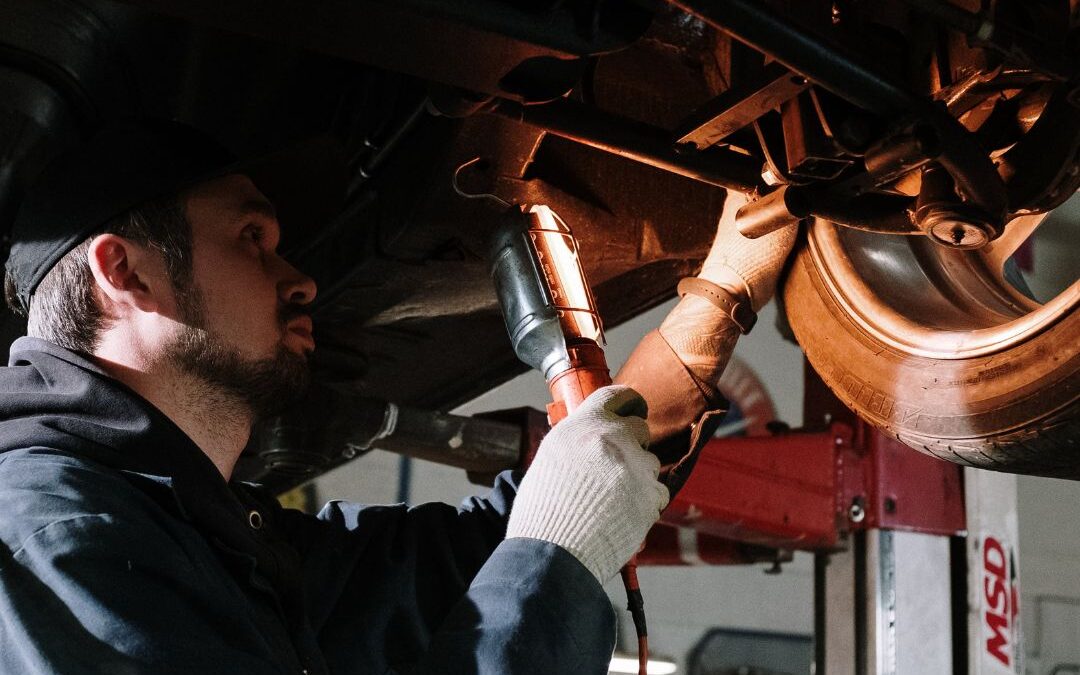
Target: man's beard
point(267, 386)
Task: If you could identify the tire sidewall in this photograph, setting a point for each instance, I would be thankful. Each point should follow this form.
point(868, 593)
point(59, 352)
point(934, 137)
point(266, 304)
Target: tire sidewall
point(973, 403)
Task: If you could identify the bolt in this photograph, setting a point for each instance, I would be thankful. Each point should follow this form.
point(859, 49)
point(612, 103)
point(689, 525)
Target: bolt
point(890, 505)
point(957, 233)
point(857, 513)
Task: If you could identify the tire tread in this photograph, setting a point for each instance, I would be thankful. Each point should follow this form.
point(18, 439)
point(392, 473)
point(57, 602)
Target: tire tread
point(1050, 448)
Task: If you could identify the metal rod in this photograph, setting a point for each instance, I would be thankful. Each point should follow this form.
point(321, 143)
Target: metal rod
point(419, 112)
point(861, 601)
point(783, 207)
point(751, 22)
point(404, 483)
point(883, 214)
point(821, 560)
point(636, 141)
point(470, 443)
point(739, 106)
point(334, 425)
point(896, 155)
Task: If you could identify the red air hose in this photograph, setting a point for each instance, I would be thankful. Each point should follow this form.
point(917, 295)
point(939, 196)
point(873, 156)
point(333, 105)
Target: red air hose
point(568, 389)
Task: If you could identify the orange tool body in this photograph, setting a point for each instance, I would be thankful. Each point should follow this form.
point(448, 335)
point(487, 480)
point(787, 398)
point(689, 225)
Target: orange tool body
point(588, 372)
point(555, 328)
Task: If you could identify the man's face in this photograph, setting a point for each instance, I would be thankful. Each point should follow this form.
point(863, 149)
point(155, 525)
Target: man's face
point(246, 330)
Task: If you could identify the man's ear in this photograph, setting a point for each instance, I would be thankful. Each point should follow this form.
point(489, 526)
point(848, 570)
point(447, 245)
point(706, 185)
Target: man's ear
point(126, 273)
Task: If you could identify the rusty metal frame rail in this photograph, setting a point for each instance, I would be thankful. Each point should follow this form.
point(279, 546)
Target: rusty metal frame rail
point(846, 75)
point(752, 23)
point(636, 141)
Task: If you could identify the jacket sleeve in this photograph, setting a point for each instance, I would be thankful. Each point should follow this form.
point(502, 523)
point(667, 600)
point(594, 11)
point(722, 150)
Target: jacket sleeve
point(96, 594)
point(434, 589)
point(533, 608)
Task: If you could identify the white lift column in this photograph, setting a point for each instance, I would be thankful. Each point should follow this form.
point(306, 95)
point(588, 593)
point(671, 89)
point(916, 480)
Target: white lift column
point(993, 579)
point(906, 603)
point(887, 605)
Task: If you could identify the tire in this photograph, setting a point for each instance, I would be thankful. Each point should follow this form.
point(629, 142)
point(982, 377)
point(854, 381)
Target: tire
point(1014, 410)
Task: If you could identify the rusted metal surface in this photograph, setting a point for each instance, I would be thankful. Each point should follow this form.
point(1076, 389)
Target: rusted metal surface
point(811, 153)
point(739, 106)
point(635, 141)
point(783, 207)
point(402, 267)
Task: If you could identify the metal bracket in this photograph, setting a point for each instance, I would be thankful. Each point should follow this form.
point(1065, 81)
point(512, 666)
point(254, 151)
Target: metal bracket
point(739, 106)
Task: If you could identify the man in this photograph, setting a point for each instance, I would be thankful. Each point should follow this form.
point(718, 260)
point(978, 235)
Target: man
point(162, 323)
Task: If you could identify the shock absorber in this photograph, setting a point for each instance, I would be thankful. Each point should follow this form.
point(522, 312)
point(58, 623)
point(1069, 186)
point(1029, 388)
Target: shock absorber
point(554, 328)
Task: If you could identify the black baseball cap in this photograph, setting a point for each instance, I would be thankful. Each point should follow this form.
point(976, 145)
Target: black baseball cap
point(127, 164)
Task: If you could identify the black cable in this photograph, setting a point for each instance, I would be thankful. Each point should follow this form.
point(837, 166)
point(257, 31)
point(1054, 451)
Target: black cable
point(635, 603)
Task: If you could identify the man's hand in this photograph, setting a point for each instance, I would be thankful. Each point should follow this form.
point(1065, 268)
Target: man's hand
point(592, 488)
point(703, 335)
point(748, 265)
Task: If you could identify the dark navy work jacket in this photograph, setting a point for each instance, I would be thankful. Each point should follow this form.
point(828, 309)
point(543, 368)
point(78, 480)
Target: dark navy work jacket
point(122, 550)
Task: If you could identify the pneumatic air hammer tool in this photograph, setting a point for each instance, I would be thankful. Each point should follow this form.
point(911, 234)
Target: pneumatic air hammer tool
point(554, 327)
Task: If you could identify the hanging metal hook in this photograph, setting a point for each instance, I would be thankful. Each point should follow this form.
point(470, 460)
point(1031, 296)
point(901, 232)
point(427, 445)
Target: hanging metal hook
point(478, 195)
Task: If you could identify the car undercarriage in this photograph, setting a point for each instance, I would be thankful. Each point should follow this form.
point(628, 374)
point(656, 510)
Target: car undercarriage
point(922, 141)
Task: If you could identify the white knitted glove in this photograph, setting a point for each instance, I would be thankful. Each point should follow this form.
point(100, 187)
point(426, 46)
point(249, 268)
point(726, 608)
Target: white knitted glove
point(592, 488)
point(752, 265)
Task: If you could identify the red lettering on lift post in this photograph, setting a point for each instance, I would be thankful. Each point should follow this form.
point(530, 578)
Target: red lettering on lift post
point(997, 597)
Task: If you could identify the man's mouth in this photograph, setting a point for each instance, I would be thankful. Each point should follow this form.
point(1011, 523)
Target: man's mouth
point(300, 326)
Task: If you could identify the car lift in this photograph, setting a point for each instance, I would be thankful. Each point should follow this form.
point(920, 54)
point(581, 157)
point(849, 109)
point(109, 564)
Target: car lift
point(915, 558)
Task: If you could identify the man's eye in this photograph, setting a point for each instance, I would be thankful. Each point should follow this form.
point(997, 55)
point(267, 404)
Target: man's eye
point(254, 233)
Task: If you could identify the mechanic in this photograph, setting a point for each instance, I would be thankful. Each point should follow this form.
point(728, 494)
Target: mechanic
point(161, 324)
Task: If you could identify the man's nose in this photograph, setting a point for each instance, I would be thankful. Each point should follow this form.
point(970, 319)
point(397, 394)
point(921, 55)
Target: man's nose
point(295, 287)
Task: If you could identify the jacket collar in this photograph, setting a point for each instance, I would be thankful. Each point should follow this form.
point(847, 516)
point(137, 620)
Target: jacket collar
point(53, 397)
